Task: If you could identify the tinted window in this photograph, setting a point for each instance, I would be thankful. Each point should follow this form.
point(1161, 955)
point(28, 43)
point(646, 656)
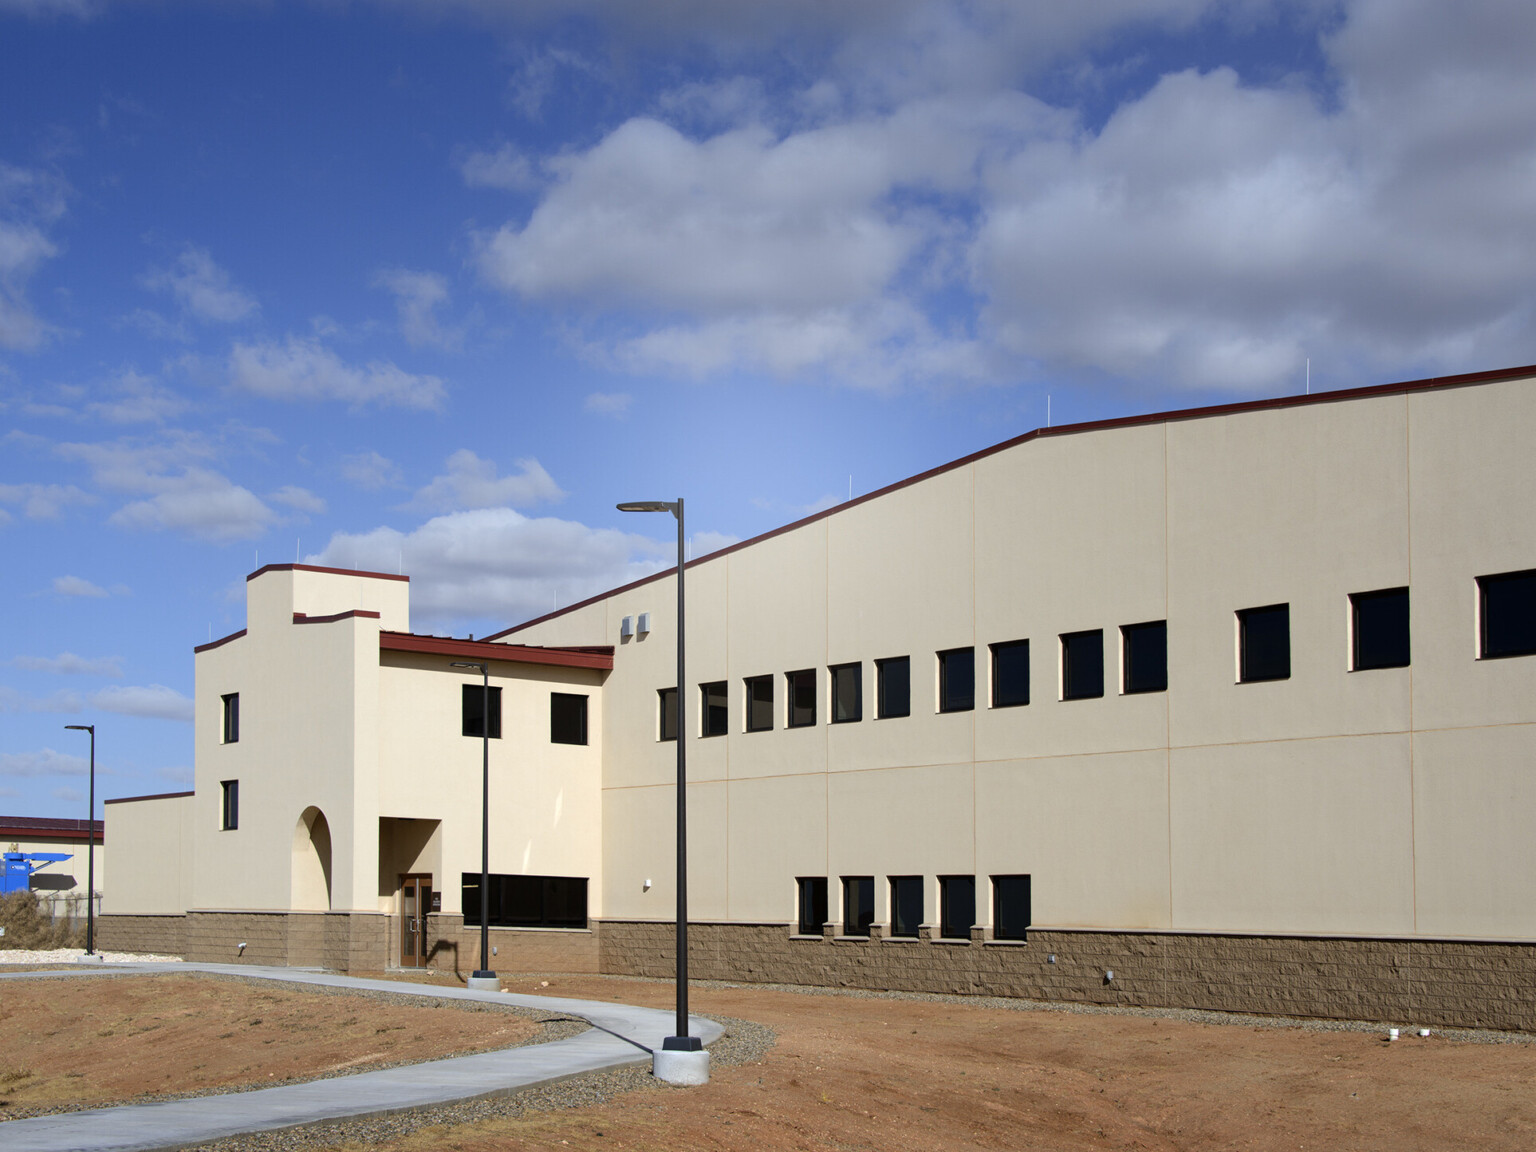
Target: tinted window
point(474, 708)
point(667, 719)
point(527, 901)
point(802, 697)
point(906, 905)
point(1010, 907)
point(895, 686)
point(1508, 605)
point(1010, 674)
point(813, 904)
point(567, 718)
point(957, 680)
point(232, 718)
point(1264, 643)
point(230, 809)
point(1082, 665)
point(957, 912)
point(858, 905)
point(759, 703)
point(716, 712)
point(1146, 656)
point(1380, 624)
point(847, 693)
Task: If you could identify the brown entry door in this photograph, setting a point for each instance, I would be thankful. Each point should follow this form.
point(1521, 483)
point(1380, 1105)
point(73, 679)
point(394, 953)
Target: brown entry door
point(415, 903)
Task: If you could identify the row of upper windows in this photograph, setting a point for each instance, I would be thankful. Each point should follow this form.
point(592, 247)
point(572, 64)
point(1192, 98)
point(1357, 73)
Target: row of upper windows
point(1379, 638)
point(957, 906)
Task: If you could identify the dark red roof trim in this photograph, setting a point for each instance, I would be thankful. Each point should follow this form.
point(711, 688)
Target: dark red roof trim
point(156, 796)
point(232, 636)
point(301, 618)
point(590, 657)
point(333, 571)
point(47, 828)
point(1492, 376)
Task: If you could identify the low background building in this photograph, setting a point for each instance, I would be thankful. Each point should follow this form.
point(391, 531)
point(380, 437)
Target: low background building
point(59, 886)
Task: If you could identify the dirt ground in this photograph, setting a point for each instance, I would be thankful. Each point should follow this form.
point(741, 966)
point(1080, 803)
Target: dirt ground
point(113, 1038)
point(852, 1073)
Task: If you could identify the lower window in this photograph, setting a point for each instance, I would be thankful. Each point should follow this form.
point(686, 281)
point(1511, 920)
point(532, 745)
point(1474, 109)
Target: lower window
point(567, 718)
point(1010, 907)
point(1507, 607)
point(906, 905)
point(957, 906)
point(1082, 665)
point(528, 901)
point(813, 904)
point(858, 905)
point(229, 809)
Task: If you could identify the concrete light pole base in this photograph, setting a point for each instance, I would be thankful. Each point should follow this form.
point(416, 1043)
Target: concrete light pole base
point(685, 1069)
point(90, 958)
point(484, 982)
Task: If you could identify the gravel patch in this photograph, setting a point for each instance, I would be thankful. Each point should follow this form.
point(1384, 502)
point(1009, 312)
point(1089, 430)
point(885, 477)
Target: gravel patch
point(70, 955)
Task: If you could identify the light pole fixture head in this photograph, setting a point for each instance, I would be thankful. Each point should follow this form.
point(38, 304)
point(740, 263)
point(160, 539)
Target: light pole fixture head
point(649, 506)
point(82, 727)
point(467, 664)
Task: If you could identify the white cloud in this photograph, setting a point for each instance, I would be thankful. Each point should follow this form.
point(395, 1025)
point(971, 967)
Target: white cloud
point(52, 7)
point(154, 701)
point(137, 399)
point(67, 795)
point(370, 471)
point(471, 482)
point(417, 297)
point(43, 501)
point(304, 369)
point(75, 586)
point(45, 762)
point(506, 168)
point(299, 499)
point(200, 503)
point(497, 563)
point(177, 774)
point(703, 543)
point(608, 403)
point(67, 663)
point(31, 201)
point(202, 288)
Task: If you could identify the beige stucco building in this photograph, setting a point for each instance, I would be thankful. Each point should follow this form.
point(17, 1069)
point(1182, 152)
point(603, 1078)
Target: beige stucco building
point(1236, 704)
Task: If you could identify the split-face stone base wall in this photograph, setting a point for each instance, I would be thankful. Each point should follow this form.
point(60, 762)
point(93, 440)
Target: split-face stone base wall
point(453, 947)
point(1418, 982)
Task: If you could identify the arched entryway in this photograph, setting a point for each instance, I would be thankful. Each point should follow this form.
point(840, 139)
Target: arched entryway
point(311, 862)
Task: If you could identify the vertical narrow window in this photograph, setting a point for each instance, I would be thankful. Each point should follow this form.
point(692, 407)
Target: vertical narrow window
point(847, 693)
point(666, 699)
point(802, 697)
point(813, 904)
point(1010, 674)
point(714, 710)
point(1507, 608)
point(1379, 629)
point(1010, 908)
point(229, 807)
point(231, 718)
point(567, 718)
point(957, 680)
point(1082, 665)
point(894, 686)
point(1144, 657)
point(858, 905)
point(759, 703)
point(957, 906)
point(473, 702)
point(906, 905)
point(1264, 643)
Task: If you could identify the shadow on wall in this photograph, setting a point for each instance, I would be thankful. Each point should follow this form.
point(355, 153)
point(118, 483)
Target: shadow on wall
point(311, 863)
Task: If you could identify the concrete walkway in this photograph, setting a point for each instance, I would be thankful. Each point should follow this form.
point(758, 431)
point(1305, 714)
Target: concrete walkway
point(620, 1035)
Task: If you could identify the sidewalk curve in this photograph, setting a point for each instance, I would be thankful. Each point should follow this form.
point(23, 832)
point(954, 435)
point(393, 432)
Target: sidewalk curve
point(621, 1034)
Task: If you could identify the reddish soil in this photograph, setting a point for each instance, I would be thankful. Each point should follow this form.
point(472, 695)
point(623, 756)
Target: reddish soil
point(852, 1073)
point(108, 1039)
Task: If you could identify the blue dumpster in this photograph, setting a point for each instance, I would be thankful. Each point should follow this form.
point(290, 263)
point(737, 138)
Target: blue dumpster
point(19, 867)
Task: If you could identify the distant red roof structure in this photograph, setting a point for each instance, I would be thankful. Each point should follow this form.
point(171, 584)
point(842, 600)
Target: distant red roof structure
point(47, 828)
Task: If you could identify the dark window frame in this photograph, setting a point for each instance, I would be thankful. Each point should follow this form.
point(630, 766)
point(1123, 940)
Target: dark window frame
point(1010, 905)
point(904, 926)
point(956, 890)
point(1503, 651)
point(1367, 662)
point(886, 707)
point(229, 805)
point(1130, 684)
point(957, 679)
point(1004, 648)
point(857, 676)
point(664, 713)
point(1076, 679)
point(810, 904)
point(469, 714)
point(231, 729)
point(859, 891)
point(796, 684)
point(549, 892)
point(578, 717)
point(714, 719)
point(759, 707)
point(1247, 673)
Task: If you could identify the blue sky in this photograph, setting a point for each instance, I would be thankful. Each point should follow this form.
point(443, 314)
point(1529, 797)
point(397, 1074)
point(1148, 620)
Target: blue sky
point(434, 285)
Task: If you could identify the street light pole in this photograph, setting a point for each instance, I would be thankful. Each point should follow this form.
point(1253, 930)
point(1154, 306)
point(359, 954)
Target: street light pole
point(484, 971)
point(90, 847)
point(682, 1041)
